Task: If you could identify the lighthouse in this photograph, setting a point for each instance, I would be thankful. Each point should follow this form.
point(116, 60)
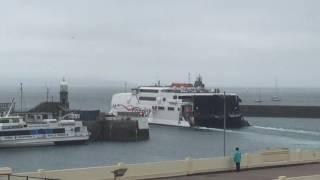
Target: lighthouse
point(64, 94)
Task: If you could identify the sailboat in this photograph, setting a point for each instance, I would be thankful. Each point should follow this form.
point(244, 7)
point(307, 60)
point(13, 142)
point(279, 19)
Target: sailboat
point(276, 97)
point(259, 100)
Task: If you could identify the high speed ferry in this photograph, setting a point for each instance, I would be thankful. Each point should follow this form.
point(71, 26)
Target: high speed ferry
point(182, 104)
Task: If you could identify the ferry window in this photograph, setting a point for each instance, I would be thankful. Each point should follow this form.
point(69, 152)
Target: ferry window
point(175, 97)
point(77, 129)
point(185, 98)
point(57, 131)
point(49, 131)
point(15, 133)
point(147, 98)
point(149, 91)
point(171, 91)
point(161, 108)
point(170, 108)
point(41, 131)
point(15, 120)
point(4, 121)
point(164, 99)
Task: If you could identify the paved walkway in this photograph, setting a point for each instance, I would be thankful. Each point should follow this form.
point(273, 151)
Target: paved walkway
point(259, 174)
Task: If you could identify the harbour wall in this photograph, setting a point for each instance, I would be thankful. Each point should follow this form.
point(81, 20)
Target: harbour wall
point(281, 111)
point(116, 130)
point(188, 166)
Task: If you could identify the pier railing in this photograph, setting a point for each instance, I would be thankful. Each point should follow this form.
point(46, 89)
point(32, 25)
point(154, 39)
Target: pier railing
point(19, 177)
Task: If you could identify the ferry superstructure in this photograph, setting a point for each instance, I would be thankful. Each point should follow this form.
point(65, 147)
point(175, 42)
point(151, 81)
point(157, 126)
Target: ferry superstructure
point(15, 132)
point(183, 105)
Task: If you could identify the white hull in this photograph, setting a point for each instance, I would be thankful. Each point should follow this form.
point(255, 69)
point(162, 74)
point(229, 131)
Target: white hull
point(41, 141)
point(169, 122)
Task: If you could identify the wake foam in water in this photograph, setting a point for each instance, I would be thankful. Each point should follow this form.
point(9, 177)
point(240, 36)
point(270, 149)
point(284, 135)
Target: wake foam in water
point(296, 131)
point(288, 130)
point(215, 129)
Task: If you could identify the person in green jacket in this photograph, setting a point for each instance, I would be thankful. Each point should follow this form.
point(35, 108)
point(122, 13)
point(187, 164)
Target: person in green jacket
point(237, 158)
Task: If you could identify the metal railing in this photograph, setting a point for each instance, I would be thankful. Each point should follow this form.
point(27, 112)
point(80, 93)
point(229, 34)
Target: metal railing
point(18, 177)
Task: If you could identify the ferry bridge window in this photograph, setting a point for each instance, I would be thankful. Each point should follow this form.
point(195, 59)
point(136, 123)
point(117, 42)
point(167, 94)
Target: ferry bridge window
point(149, 91)
point(170, 108)
point(142, 98)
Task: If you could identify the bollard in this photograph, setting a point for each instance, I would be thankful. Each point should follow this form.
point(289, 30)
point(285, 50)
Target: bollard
point(189, 166)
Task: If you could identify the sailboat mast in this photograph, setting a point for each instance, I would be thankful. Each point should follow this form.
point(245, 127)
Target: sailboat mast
point(21, 96)
point(277, 89)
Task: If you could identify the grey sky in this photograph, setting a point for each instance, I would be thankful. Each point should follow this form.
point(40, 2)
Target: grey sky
point(230, 42)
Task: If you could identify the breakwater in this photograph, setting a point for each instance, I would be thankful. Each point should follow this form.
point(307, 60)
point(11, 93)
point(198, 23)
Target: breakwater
point(281, 111)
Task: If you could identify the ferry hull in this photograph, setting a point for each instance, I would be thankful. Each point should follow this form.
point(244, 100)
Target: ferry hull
point(209, 112)
point(214, 122)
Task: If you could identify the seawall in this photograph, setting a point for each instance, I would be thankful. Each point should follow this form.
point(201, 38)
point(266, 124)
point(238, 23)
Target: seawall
point(281, 111)
point(188, 166)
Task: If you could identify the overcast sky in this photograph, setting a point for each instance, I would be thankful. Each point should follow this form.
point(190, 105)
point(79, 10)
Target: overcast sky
point(230, 42)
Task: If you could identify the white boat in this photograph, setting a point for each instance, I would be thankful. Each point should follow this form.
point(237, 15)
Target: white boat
point(181, 104)
point(276, 96)
point(15, 132)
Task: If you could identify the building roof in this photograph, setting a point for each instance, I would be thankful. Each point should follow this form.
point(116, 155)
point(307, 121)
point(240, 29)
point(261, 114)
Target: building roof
point(52, 107)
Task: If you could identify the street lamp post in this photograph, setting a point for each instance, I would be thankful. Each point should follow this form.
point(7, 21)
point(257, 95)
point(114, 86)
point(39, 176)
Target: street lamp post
point(224, 123)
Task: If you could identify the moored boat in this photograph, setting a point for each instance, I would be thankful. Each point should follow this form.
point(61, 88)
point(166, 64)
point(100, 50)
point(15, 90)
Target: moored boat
point(15, 132)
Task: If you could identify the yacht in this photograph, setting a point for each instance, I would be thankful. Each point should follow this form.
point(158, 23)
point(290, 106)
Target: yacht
point(182, 104)
point(276, 96)
point(14, 131)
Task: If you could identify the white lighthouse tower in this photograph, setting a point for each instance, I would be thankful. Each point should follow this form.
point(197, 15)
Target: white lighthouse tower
point(64, 94)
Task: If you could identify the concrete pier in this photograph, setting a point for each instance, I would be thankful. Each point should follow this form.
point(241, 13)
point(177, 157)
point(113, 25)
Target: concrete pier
point(116, 130)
